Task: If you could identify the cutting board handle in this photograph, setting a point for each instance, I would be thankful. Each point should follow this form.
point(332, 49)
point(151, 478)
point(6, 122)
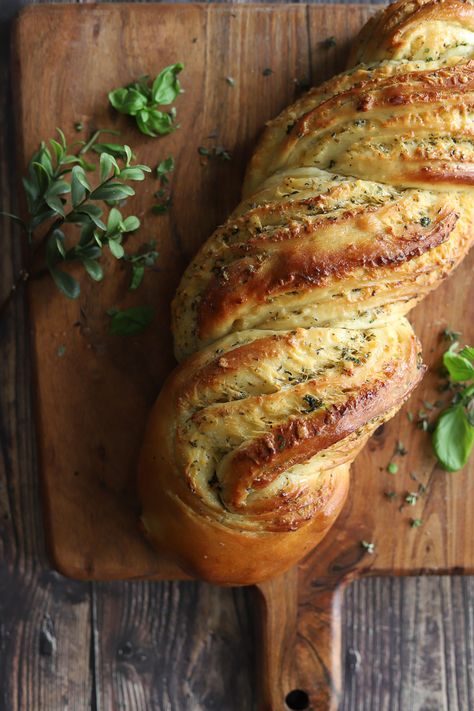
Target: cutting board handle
point(299, 646)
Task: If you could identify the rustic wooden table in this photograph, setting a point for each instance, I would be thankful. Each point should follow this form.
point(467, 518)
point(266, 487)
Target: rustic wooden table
point(408, 643)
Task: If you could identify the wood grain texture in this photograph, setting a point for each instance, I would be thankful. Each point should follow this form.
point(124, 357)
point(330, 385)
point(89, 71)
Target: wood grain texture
point(409, 644)
point(144, 632)
point(31, 597)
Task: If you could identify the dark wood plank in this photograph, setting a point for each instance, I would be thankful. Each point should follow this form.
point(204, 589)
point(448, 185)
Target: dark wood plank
point(168, 646)
point(44, 619)
point(409, 644)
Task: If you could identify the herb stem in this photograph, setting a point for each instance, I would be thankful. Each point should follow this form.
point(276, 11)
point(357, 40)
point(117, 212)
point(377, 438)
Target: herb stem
point(93, 139)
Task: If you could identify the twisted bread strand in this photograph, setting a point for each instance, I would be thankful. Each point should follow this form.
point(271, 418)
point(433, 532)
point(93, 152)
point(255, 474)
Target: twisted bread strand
point(290, 319)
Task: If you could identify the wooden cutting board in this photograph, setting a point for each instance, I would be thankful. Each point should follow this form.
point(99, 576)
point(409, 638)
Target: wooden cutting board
point(94, 390)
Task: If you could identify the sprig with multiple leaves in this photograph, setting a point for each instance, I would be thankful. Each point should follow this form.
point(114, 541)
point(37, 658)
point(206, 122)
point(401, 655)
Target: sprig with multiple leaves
point(142, 100)
point(453, 435)
point(59, 194)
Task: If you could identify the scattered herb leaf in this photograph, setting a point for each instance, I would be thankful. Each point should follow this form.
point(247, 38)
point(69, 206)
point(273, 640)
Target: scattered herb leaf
point(368, 546)
point(452, 336)
point(392, 468)
point(142, 99)
point(329, 42)
point(132, 321)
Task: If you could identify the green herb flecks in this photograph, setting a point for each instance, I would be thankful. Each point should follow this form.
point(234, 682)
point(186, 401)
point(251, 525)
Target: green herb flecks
point(214, 152)
point(392, 468)
point(142, 99)
point(313, 403)
point(368, 546)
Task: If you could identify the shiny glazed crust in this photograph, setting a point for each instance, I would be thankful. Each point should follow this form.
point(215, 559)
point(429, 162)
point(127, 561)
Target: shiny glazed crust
point(290, 321)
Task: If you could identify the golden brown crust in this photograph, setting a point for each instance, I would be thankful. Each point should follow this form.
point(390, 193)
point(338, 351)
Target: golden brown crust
point(290, 321)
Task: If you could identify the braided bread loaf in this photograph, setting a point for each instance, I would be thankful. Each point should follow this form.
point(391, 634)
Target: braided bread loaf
point(290, 320)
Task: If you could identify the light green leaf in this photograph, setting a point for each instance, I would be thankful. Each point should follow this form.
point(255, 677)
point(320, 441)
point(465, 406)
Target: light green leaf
point(116, 249)
point(131, 223)
point(453, 438)
point(166, 86)
point(113, 223)
point(132, 174)
point(467, 352)
point(107, 164)
point(459, 368)
point(127, 101)
point(112, 191)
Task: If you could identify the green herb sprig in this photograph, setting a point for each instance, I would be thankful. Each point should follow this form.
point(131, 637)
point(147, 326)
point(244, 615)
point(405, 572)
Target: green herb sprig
point(163, 195)
point(59, 195)
point(142, 99)
point(453, 435)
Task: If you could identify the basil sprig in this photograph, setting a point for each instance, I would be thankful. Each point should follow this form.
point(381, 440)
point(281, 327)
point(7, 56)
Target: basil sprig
point(142, 100)
point(453, 436)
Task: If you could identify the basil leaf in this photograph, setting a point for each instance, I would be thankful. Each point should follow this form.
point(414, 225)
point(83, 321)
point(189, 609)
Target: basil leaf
point(166, 86)
point(453, 438)
point(127, 101)
point(131, 321)
point(467, 352)
point(459, 368)
point(154, 123)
